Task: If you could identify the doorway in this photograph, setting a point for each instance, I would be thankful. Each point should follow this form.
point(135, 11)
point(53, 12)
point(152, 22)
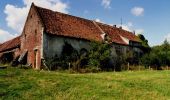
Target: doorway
point(36, 59)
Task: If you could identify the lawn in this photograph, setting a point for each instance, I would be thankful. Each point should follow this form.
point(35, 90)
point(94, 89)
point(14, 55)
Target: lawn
point(33, 85)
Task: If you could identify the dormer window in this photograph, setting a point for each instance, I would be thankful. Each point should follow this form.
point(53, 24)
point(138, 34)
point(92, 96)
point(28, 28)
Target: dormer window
point(103, 35)
point(107, 38)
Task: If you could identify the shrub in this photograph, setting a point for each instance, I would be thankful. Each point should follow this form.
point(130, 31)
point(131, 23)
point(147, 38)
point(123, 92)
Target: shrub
point(158, 56)
point(99, 55)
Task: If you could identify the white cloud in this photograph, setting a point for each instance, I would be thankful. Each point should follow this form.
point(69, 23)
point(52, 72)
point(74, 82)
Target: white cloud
point(167, 37)
point(139, 31)
point(137, 11)
point(98, 20)
point(126, 27)
point(129, 27)
point(4, 36)
point(106, 4)
point(16, 16)
point(130, 24)
point(55, 5)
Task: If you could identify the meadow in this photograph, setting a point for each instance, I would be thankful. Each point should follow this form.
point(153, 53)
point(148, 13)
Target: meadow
point(21, 84)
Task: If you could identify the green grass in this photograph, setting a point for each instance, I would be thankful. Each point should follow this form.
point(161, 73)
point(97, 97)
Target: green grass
point(32, 85)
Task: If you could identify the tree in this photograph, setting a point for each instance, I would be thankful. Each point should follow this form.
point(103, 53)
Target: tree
point(158, 56)
point(99, 55)
point(145, 45)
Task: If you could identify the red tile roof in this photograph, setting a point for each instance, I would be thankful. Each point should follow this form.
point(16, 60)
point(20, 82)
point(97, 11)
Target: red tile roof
point(66, 25)
point(115, 33)
point(14, 43)
point(129, 35)
point(112, 32)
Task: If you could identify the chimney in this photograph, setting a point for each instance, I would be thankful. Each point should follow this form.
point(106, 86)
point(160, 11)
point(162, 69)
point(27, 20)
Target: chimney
point(114, 26)
point(134, 32)
point(120, 27)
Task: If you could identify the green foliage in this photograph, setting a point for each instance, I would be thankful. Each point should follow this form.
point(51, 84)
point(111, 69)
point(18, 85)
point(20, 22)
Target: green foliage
point(99, 54)
point(158, 56)
point(144, 41)
point(97, 58)
point(145, 60)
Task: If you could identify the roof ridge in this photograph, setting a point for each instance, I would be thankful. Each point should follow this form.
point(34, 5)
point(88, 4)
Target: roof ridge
point(78, 17)
point(40, 17)
point(73, 26)
point(102, 31)
point(11, 39)
point(63, 13)
point(15, 42)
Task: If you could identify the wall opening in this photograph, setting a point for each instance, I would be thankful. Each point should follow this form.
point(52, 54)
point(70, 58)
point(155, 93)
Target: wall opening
point(7, 57)
point(36, 59)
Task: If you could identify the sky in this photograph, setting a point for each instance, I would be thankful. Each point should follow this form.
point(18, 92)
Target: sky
point(148, 17)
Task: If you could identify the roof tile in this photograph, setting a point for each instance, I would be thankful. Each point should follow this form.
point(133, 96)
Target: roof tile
point(10, 44)
point(66, 25)
point(116, 33)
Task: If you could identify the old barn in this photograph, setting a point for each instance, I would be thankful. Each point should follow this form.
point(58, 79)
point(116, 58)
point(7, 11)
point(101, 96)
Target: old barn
point(46, 32)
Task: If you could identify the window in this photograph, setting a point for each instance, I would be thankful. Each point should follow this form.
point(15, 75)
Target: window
point(119, 50)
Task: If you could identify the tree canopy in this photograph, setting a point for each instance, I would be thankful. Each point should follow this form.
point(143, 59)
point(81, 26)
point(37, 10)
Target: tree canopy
point(158, 56)
point(145, 46)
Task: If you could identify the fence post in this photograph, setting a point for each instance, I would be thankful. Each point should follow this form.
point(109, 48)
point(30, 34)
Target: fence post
point(128, 66)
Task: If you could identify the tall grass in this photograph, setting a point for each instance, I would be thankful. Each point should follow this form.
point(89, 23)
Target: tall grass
point(32, 85)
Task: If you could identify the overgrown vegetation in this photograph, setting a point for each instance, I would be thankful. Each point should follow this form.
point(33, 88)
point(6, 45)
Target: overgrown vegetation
point(158, 57)
point(99, 56)
point(145, 46)
point(20, 84)
point(96, 59)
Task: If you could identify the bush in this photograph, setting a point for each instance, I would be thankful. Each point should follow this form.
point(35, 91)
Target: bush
point(96, 59)
point(157, 57)
point(100, 56)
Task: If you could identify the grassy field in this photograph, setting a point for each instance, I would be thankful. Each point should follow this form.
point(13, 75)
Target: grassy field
point(32, 85)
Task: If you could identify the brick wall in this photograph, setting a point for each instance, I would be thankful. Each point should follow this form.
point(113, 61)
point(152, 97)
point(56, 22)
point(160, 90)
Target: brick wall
point(16, 52)
point(31, 38)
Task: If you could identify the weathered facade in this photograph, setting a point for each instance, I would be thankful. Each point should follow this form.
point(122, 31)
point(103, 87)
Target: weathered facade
point(53, 44)
point(11, 48)
point(45, 32)
point(31, 38)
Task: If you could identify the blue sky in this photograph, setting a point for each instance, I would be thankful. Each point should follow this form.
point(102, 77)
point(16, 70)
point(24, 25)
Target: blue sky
point(149, 17)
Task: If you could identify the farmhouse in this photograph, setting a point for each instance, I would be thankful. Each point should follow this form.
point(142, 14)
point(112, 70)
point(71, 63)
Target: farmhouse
point(46, 32)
